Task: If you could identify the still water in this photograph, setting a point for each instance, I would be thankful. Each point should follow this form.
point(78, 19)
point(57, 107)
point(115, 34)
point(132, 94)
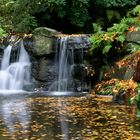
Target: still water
point(30, 117)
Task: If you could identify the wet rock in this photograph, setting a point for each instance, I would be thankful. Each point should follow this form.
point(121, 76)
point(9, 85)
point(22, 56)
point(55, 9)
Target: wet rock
point(77, 42)
point(43, 40)
point(43, 70)
point(43, 45)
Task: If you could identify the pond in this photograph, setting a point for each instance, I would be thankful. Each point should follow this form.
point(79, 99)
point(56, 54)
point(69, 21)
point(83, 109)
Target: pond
point(27, 117)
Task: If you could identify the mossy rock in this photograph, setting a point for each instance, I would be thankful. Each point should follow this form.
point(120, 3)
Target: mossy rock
point(43, 40)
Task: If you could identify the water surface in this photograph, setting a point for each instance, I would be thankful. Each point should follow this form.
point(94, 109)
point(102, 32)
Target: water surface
point(27, 117)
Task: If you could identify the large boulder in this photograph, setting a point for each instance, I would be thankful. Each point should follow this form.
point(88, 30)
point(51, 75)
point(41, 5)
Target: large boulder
point(43, 41)
point(43, 71)
point(40, 46)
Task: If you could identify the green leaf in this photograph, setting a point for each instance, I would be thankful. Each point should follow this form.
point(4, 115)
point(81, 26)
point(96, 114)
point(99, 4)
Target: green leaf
point(106, 48)
point(2, 32)
point(96, 27)
point(121, 38)
point(136, 10)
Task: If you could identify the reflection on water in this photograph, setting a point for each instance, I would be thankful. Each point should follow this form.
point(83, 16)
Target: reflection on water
point(15, 115)
point(15, 112)
point(64, 124)
point(63, 118)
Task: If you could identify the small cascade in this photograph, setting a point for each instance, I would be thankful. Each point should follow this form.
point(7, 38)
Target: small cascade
point(64, 66)
point(16, 74)
point(69, 63)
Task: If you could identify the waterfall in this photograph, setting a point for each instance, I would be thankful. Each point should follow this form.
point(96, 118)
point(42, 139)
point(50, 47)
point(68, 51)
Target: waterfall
point(63, 75)
point(67, 60)
point(6, 58)
point(15, 75)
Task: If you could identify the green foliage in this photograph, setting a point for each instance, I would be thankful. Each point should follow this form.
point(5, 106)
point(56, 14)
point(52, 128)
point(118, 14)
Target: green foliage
point(106, 91)
point(114, 36)
point(113, 13)
point(97, 28)
point(25, 15)
point(135, 11)
point(136, 100)
point(107, 48)
point(132, 47)
point(27, 24)
point(2, 32)
point(115, 3)
point(78, 13)
point(20, 16)
point(16, 16)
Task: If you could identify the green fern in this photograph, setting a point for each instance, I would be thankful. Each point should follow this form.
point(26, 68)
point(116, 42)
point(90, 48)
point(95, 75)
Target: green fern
point(136, 10)
point(121, 38)
point(97, 27)
point(2, 32)
point(107, 48)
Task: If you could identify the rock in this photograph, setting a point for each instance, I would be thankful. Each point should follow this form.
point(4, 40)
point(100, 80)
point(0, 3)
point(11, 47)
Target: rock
point(133, 36)
point(43, 70)
point(125, 69)
point(42, 46)
point(77, 42)
point(43, 40)
point(136, 76)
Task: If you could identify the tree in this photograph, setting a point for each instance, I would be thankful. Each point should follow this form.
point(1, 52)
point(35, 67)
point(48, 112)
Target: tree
point(25, 15)
point(116, 3)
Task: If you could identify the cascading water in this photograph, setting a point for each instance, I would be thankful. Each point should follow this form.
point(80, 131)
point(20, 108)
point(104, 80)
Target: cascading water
point(14, 76)
point(67, 60)
point(63, 65)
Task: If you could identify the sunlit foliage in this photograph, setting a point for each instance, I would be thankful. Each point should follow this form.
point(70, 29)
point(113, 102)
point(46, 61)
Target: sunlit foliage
point(104, 40)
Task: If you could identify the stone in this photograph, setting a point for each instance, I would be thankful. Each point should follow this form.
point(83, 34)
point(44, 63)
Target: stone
point(42, 47)
point(77, 42)
point(133, 36)
point(125, 69)
point(43, 40)
point(43, 70)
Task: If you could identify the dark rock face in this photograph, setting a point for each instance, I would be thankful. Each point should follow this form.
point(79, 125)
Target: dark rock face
point(77, 41)
point(43, 71)
point(136, 76)
point(42, 47)
point(9, 40)
point(1, 54)
point(133, 41)
point(125, 69)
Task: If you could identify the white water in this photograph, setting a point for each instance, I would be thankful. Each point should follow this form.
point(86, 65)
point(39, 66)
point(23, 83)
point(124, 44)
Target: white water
point(65, 63)
point(16, 75)
point(63, 66)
